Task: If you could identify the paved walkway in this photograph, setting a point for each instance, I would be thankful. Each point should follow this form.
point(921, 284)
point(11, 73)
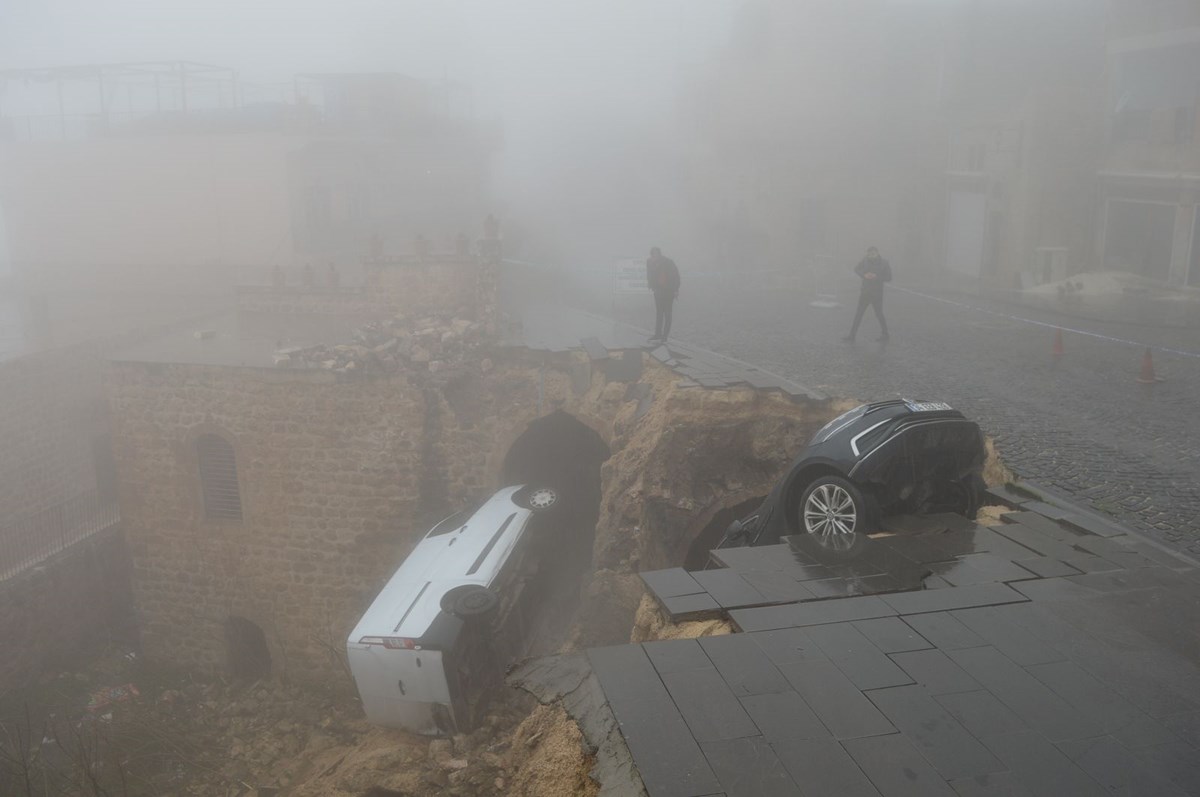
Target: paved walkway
point(1038, 659)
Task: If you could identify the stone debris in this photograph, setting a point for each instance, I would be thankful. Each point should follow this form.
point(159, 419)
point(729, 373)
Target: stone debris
point(433, 343)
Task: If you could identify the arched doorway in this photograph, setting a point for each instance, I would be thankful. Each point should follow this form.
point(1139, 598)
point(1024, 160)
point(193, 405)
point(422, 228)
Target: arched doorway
point(561, 452)
point(247, 655)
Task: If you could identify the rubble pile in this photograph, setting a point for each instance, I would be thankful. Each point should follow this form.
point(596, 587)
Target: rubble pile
point(176, 736)
point(431, 343)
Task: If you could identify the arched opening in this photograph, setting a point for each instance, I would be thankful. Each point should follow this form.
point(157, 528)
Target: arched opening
point(710, 535)
point(247, 655)
point(561, 452)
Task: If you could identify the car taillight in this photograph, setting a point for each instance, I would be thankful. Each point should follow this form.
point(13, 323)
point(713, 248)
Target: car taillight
point(390, 642)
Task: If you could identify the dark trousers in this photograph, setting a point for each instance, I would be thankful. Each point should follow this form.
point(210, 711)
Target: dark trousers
point(869, 300)
point(662, 315)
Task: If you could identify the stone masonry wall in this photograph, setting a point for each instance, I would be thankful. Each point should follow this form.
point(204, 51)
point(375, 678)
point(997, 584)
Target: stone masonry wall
point(328, 472)
point(72, 602)
point(340, 476)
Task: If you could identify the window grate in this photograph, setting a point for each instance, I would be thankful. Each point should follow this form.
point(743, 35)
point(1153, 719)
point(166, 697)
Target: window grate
point(218, 478)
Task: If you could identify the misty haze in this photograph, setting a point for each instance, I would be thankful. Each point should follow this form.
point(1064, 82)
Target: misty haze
point(665, 398)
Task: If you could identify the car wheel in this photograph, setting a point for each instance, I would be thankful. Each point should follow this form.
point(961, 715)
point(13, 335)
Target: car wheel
point(834, 513)
point(470, 602)
point(538, 499)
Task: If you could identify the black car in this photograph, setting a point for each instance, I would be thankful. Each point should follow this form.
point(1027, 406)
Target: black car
point(890, 457)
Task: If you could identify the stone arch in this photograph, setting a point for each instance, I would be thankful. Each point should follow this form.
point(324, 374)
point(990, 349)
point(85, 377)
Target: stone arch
point(247, 655)
point(505, 442)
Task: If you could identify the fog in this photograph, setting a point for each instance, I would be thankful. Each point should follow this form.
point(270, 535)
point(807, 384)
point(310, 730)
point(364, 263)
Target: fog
point(297, 294)
point(573, 87)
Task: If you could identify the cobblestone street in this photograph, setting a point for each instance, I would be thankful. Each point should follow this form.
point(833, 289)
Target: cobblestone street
point(1082, 425)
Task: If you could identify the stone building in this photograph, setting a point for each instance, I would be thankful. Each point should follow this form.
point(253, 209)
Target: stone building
point(1149, 222)
point(265, 499)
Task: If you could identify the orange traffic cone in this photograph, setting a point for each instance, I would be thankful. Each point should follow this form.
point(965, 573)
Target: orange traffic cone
point(1057, 351)
point(1147, 376)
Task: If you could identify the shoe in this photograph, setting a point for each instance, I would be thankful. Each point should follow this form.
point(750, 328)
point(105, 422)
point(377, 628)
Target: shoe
point(883, 338)
point(848, 339)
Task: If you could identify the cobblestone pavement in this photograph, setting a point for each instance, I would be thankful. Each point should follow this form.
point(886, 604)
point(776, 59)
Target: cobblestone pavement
point(1082, 425)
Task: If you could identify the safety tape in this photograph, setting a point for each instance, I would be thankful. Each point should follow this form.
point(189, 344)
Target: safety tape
point(1047, 324)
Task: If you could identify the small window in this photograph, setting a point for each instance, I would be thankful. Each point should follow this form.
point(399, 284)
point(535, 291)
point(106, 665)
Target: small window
point(218, 478)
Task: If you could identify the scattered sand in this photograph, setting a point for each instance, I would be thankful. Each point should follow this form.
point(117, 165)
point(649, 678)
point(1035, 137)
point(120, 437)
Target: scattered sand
point(649, 623)
point(547, 757)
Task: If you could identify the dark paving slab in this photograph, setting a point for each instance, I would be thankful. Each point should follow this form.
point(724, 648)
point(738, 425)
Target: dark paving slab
point(1034, 519)
point(1118, 770)
point(896, 767)
point(953, 751)
point(1007, 495)
point(865, 665)
point(892, 635)
point(798, 615)
point(668, 758)
point(675, 655)
point(1036, 704)
point(749, 767)
point(671, 582)
point(728, 588)
point(944, 631)
point(823, 768)
point(999, 568)
point(935, 672)
point(1045, 567)
point(788, 645)
point(1177, 760)
point(841, 706)
point(784, 716)
point(1042, 767)
point(743, 664)
point(1035, 540)
point(1012, 640)
point(981, 713)
point(776, 586)
point(959, 598)
point(1047, 509)
point(996, 784)
point(707, 705)
point(691, 607)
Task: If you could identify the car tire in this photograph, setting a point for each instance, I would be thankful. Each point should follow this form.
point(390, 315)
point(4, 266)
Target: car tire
point(470, 602)
point(836, 514)
point(538, 499)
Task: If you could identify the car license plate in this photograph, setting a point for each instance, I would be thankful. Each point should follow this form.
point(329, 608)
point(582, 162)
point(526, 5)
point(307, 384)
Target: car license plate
point(928, 406)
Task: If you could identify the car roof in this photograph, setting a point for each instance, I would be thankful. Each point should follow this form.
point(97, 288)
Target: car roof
point(471, 551)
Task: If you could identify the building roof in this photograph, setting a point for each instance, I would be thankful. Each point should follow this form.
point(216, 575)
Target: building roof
point(241, 339)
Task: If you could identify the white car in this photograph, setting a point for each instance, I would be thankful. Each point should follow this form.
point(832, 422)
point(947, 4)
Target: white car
point(437, 639)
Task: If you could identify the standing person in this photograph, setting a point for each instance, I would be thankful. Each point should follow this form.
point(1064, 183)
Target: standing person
point(662, 275)
point(874, 271)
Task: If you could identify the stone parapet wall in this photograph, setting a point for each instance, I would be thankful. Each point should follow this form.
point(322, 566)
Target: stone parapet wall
point(410, 286)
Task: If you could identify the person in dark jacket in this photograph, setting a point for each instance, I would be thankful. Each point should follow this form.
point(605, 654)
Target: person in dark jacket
point(873, 270)
point(662, 276)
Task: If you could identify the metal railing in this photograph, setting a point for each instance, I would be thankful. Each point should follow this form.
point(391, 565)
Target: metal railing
point(24, 542)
